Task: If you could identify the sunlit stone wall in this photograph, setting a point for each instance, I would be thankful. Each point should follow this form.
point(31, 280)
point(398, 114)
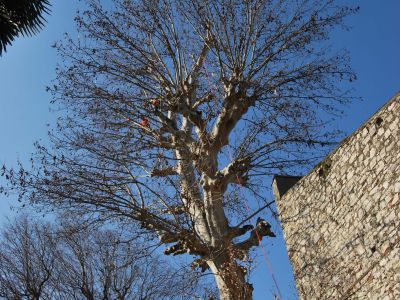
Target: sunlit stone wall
point(342, 221)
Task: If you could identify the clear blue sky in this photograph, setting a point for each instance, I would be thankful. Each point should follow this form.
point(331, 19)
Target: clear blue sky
point(28, 66)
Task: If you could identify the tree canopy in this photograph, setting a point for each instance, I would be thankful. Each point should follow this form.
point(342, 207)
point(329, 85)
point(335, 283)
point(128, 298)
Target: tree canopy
point(170, 107)
point(64, 260)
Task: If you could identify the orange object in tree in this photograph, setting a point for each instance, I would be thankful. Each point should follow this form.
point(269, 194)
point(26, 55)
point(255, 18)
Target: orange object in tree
point(145, 122)
point(155, 102)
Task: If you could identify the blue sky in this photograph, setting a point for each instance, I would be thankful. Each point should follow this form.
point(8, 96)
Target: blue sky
point(28, 66)
point(25, 70)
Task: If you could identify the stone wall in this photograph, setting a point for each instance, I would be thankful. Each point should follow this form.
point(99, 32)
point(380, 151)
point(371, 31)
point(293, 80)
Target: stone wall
point(341, 222)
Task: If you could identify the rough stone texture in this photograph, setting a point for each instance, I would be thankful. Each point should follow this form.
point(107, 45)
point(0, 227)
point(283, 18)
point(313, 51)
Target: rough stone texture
point(342, 221)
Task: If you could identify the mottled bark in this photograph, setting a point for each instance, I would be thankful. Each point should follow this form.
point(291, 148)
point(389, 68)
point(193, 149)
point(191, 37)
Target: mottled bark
point(230, 279)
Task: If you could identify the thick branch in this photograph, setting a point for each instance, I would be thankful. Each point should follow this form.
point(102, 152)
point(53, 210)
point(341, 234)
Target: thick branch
point(204, 99)
point(199, 63)
point(236, 104)
point(233, 173)
point(169, 125)
point(239, 231)
point(263, 228)
point(192, 115)
point(164, 172)
point(187, 245)
point(190, 192)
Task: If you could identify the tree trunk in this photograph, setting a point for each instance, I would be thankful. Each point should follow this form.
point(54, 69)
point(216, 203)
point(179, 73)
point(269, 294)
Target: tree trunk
point(230, 279)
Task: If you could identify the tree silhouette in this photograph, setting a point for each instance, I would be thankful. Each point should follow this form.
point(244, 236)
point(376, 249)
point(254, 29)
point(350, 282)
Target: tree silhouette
point(41, 260)
point(171, 107)
point(20, 17)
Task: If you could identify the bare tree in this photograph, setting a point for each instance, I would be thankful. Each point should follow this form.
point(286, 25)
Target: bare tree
point(171, 106)
point(43, 261)
point(27, 261)
point(109, 265)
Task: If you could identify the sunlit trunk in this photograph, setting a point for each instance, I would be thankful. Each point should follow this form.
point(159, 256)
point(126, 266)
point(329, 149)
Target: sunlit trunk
point(215, 215)
point(230, 279)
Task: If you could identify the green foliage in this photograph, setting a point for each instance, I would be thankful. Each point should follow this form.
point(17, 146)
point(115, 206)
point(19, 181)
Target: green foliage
point(324, 167)
point(20, 17)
